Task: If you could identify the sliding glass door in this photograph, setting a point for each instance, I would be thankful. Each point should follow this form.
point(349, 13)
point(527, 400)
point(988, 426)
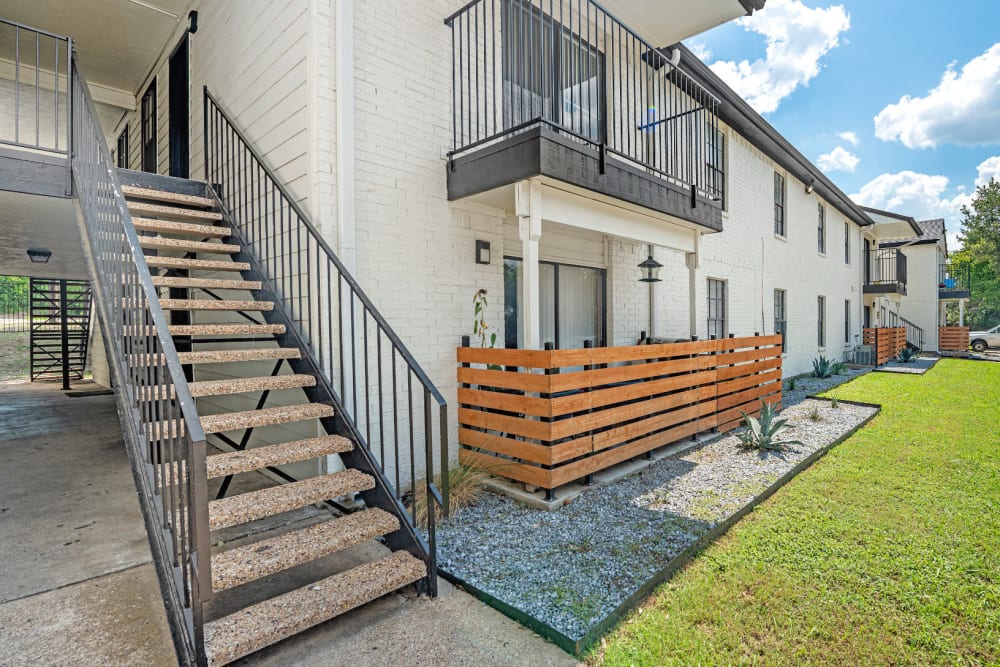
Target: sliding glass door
point(572, 304)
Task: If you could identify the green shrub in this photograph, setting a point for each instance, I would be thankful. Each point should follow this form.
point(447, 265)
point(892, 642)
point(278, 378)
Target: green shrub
point(791, 385)
point(823, 367)
point(839, 368)
point(763, 433)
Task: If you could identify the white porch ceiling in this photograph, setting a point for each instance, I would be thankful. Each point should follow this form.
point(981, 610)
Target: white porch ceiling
point(117, 40)
point(665, 22)
point(28, 221)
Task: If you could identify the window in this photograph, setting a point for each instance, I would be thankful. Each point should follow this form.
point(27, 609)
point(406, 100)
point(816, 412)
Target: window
point(715, 156)
point(821, 321)
point(781, 317)
point(883, 319)
point(779, 204)
point(716, 308)
point(821, 229)
point(121, 155)
point(847, 321)
point(572, 304)
point(847, 243)
point(148, 118)
point(550, 73)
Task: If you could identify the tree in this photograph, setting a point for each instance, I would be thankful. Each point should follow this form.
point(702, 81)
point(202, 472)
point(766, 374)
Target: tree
point(980, 238)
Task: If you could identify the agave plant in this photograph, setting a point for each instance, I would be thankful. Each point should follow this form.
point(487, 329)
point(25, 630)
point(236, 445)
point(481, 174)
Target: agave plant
point(823, 367)
point(906, 355)
point(763, 433)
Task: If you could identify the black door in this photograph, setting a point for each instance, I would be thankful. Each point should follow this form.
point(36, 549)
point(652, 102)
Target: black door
point(179, 112)
point(148, 113)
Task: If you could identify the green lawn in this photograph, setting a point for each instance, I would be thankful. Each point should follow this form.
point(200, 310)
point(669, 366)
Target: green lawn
point(886, 551)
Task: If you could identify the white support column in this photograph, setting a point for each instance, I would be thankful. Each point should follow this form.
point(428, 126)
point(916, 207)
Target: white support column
point(528, 207)
point(961, 312)
point(691, 261)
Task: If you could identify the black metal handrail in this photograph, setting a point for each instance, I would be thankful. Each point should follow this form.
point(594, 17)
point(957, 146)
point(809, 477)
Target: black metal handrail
point(914, 334)
point(885, 266)
point(163, 434)
point(575, 68)
point(954, 277)
point(382, 391)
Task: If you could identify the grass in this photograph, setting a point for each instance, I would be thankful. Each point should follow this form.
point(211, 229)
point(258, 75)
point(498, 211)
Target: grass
point(886, 551)
point(14, 353)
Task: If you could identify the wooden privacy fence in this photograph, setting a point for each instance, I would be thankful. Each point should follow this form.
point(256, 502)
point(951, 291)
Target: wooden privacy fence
point(953, 339)
point(886, 341)
point(549, 417)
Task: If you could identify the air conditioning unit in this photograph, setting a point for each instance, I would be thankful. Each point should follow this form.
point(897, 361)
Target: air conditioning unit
point(864, 355)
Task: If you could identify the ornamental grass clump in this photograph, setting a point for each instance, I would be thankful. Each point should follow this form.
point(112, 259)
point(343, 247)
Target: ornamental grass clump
point(823, 367)
point(762, 434)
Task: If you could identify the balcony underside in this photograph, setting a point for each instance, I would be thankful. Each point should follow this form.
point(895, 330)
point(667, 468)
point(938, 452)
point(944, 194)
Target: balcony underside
point(540, 151)
point(945, 294)
point(885, 288)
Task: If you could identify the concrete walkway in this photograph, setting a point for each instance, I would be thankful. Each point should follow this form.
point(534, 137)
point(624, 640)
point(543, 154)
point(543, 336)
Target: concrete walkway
point(77, 586)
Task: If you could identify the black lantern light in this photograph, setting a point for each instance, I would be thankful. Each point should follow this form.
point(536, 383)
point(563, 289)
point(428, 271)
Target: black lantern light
point(39, 255)
point(482, 252)
point(650, 270)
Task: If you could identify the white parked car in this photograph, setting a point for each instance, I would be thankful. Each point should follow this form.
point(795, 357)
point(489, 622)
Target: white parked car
point(981, 340)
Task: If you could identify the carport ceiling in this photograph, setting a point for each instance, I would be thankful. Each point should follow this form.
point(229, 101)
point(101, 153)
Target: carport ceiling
point(28, 221)
point(117, 40)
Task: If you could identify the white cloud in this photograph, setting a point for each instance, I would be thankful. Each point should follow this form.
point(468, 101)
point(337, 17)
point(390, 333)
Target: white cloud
point(850, 137)
point(700, 51)
point(839, 159)
point(963, 109)
point(988, 168)
point(797, 39)
point(921, 196)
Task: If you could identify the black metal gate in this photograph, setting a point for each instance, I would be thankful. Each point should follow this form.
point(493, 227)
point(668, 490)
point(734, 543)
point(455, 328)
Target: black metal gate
point(60, 329)
point(13, 304)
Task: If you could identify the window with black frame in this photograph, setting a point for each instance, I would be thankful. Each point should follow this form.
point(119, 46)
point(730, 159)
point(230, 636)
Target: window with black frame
point(847, 321)
point(821, 229)
point(716, 308)
point(121, 150)
point(847, 243)
point(781, 317)
point(779, 204)
point(821, 321)
point(715, 155)
point(550, 74)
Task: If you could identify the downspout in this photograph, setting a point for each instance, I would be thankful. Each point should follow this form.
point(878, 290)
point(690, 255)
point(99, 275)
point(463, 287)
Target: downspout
point(346, 247)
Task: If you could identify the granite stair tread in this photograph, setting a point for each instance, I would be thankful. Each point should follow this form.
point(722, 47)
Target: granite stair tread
point(225, 356)
point(286, 414)
point(138, 192)
point(153, 261)
point(165, 243)
point(255, 505)
point(182, 228)
point(207, 283)
point(214, 304)
point(265, 623)
point(250, 384)
point(244, 564)
point(171, 212)
point(234, 463)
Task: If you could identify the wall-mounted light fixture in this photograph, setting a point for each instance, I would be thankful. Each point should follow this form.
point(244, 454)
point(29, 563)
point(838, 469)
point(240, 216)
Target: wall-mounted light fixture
point(811, 187)
point(39, 255)
point(193, 21)
point(482, 252)
point(650, 270)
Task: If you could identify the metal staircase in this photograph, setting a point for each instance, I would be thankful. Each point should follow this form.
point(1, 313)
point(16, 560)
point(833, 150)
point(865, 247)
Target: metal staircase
point(60, 329)
point(225, 317)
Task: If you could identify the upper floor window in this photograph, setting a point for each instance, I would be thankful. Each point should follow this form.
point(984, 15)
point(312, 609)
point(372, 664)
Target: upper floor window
point(821, 321)
point(550, 73)
point(121, 151)
point(821, 229)
point(715, 164)
point(847, 243)
point(779, 204)
point(716, 308)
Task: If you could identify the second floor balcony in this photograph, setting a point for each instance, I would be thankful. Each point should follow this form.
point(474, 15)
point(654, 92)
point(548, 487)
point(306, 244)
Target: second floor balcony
point(954, 281)
point(564, 90)
point(885, 271)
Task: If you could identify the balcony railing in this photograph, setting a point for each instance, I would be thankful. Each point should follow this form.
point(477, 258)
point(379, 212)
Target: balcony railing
point(573, 68)
point(885, 271)
point(954, 280)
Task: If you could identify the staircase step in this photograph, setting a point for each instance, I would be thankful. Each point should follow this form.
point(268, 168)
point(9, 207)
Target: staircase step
point(136, 192)
point(255, 505)
point(258, 560)
point(233, 421)
point(268, 622)
point(188, 246)
point(171, 212)
point(224, 356)
point(172, 227)
point(225, 329)
point(153, 261)
point(234, 463)
point(206, 283)
point(214, 304)
point(247, 385)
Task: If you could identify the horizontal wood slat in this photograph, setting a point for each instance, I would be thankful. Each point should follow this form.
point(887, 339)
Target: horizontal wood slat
point(548, 417)
point(953, 339)
point(886, 341)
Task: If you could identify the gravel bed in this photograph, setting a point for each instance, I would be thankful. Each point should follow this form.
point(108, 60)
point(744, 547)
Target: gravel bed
point(918, 366)
point(807, 385)
point(571, 568)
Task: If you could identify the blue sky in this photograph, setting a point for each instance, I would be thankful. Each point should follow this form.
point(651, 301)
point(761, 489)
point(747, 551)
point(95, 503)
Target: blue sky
point(897, 101)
